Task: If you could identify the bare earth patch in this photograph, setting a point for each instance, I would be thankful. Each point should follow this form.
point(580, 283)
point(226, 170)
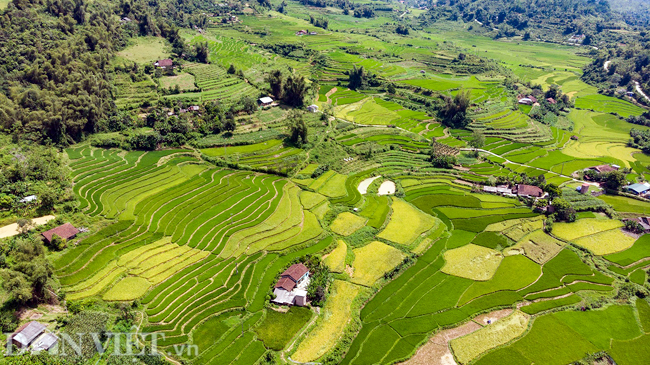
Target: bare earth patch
point(436, 351)
point(12, 229)
point(386, 188)
point(363, 186)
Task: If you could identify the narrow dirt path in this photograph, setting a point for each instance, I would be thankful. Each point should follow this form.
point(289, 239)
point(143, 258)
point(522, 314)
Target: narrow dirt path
point(532, 167)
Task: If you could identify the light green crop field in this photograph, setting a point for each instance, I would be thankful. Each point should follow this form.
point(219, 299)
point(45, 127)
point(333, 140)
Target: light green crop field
point(146, 50)
point(185, 81)
point(624, 204)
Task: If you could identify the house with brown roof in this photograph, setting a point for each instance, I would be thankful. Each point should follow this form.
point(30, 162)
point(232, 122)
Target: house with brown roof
point(66, 231)
point(164, 63)
point(529, 191)
point(291, 289)
point(605, 168)
point(551, 100)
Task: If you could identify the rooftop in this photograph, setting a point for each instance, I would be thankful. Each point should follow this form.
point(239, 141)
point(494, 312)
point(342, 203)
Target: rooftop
point(28, 333)
point(65, 231)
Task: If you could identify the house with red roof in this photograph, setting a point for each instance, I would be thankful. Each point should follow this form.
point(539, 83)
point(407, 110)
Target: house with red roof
point(291, 288)
point(66, 231)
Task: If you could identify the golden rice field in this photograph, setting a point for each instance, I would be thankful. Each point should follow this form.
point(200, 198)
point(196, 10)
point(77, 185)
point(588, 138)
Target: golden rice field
point(469, 347)
point(347, 223)
point(373, 260)
point(328, 329)
point(405, 215)
point(472, 262)
point(336, 259)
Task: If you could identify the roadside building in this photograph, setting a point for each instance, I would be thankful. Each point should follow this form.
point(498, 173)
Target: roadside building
point(66, 231)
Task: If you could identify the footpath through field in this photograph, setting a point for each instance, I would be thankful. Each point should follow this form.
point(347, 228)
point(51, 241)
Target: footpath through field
point(12, 229)
point(532, 167)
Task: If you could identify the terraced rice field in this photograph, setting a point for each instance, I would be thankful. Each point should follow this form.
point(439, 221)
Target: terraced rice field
point(200, 257)
point(270, 155)
point(216, 85)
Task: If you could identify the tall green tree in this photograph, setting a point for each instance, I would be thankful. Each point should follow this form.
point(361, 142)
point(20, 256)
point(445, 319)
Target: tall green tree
point(295, 90)
point(298, 130)
point(275, 82)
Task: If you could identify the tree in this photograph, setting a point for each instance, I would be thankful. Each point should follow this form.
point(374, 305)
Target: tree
point(356, 78)
point(275, 82)
point(478, 140)
point(633, 226)
point(57, 243)
point(17, 286)
point(24, 225)
point(454, 112)
point(564, 210)
point(552, 190)
point(232, 70)
point(614, 180)
point(443, 161)
point(202, 52)
point(298, 129)
point(229, 124)
point(295, 89)
point(390, 88)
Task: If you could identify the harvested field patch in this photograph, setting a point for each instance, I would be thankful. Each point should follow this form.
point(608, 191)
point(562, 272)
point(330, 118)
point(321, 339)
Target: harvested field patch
point(469, 347)
point(538, 246)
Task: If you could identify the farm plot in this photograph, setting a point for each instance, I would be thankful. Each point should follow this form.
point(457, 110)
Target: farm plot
point(216, 84)
point(407, 223)
point(335, 260)
point(327, 331)
point(270, 155)
point(347, 223)
point(373, 260)
point(472, 262)
point(571, 335)
point(195, 276)
point(608, 104)
point(469, 347)
point(601, 236)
